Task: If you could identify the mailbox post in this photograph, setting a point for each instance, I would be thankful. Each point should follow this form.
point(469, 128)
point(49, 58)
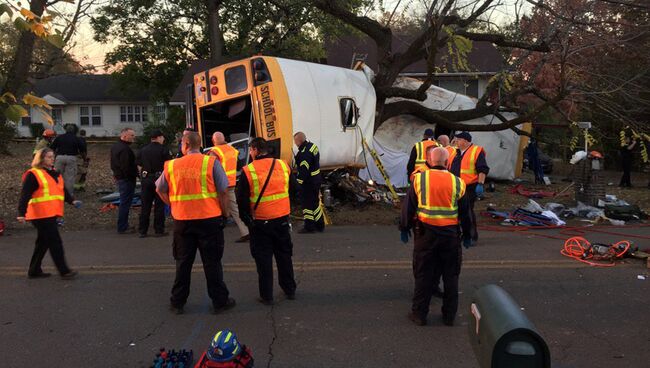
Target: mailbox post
point(501, 334)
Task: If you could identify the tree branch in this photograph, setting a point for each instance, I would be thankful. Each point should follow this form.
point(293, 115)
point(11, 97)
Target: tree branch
point(501, 40)
point(380, 34)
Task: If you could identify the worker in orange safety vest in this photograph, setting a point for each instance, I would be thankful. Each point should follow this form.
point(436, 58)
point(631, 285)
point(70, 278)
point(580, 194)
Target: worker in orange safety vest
point(195, 186)
point(435, 209)
point(264, 205)
point(41, 203)
point(471, 166)
point(417, 158)
point(227, 155)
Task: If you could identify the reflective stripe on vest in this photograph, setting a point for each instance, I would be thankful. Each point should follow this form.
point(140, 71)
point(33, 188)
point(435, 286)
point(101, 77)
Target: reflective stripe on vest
point(452, 153)
point(227, 156)
point(47, 200)
point(274, 202)
point(421, 151)
point(468, 165)
point(192, 191)
point(438, 192)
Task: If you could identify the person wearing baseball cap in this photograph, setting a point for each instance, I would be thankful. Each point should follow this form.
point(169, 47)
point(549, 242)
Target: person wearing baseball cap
point(418, 158)
point(470, 165)
point(151, 160)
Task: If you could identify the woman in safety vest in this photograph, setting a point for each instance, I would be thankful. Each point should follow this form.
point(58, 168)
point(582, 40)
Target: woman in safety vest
point(41, 202)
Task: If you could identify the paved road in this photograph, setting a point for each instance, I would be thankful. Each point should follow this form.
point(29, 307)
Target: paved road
point(354, 291)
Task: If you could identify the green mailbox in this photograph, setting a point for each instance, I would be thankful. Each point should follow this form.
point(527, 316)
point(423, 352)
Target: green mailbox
point(501, 334)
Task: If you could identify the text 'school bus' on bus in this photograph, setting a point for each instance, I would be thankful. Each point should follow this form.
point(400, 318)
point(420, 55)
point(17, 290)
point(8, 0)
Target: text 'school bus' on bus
point(273, 98)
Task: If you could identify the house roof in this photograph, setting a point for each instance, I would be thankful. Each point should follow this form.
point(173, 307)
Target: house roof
point(80, 88)
point(484, 57)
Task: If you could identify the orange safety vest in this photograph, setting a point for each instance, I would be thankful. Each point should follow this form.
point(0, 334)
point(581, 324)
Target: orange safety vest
point(47, 200)
point(421, 152)
point(468, 165)
point(438, 192)
point(227, 155)
point(452, 154)
point(192, 191)
point(274, 202)
point(419, 169)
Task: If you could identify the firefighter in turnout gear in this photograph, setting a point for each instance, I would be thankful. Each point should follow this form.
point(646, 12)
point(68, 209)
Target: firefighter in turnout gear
point(417, 159)
point(309, 180)
point(435, 209)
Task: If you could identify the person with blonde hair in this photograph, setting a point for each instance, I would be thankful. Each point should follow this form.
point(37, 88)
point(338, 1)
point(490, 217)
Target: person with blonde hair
point(41, 203)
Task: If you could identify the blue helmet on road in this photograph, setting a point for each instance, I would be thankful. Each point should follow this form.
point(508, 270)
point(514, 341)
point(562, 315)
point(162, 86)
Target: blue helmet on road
point(224, 347)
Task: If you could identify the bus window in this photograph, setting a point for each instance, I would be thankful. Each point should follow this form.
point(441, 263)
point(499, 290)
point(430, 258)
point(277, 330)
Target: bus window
point(236, 79)
point(349, 113)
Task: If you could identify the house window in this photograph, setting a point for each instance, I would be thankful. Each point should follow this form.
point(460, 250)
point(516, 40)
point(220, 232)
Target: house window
point(57, 115)
point(161, 112)
point(465, 87)
point(471, 88)
point(26, 121)
point(133, 113)
point(90, 115)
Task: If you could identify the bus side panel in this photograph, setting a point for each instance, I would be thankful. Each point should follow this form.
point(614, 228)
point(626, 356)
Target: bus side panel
point(315, 91)
point(273, 117)
point(305, 106)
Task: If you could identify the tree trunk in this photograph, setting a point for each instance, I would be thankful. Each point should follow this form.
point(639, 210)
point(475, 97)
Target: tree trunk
point(19, 71)
point(217, 47)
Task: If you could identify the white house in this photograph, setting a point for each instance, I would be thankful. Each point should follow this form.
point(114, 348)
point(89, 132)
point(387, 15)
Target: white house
point(93, 103)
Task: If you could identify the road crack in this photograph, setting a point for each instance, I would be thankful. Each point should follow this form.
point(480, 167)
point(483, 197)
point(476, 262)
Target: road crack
point(275, 336)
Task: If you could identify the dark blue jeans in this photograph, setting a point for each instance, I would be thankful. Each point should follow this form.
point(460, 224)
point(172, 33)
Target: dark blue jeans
point(127, 189)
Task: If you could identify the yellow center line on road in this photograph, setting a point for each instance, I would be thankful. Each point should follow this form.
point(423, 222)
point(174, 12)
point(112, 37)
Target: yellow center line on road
point(313, 266)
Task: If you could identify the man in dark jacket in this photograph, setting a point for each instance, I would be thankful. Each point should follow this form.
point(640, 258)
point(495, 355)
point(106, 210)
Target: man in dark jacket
point(125, 173)
point(309, 181)
point(151, 161)
point(66, 147)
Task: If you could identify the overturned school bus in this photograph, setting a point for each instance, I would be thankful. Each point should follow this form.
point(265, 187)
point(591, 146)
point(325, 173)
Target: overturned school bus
point(274, 98)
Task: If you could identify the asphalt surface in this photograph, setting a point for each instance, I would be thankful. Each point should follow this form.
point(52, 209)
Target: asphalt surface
point(354, 290)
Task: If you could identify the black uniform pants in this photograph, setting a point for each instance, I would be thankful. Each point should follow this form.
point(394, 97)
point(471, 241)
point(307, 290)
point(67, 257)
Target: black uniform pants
point(207, 236)
point(47, 238)
point(312, 211)
point(627, 170)
point(268, 239)
point(435, 255)
point(149, 199)
point(470, 192)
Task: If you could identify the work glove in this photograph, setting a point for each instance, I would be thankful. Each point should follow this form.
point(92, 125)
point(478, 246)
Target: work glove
point(77, 204)
point(467, 243)
point(479, 190)
point(404, 235)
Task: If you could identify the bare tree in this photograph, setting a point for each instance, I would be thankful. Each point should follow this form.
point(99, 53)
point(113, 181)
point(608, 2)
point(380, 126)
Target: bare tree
point(444, 21)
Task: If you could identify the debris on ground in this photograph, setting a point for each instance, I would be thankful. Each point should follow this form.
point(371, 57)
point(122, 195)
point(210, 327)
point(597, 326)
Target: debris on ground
point(597, 254)
point(523, 191)
point(345, 187)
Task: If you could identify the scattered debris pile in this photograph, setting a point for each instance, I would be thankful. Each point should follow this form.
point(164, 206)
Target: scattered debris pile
point(345, 187)
point(596, 254)
point(612, 210)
